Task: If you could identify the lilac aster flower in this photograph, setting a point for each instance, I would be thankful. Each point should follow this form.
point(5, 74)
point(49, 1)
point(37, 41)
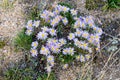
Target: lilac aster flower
point(90, 50)
point(85, 45)
point(78, 32)
point(76, 42)
point(85, 34)
point(51, 14)
point(34, 44)
point(73, 12)
point(29, 25)
point(45, 29)
point(99, 31)
point(46, 15)
point(42, 35)
point(91, 38)
point(48, 69)
point(97, 38)
point(62, 41)
point(65, 51)
point(89, 19)
point(36, 23)
point(82, 24)
point(55, 21)
point(87, 56)
point(54, 45)
point(55, 49)
point(71, 36)
point(91, 24)
point(59, 8)
point(34, 52)
point(78, 57)
point(71, 51)
point(44, 50)
point(65, 66)
point(77, 24)
point(56, 12)
point(65, 9)
point(28, 32)
point(94, 28)
point(52, 31)
point(50, 58)
point(65, 21)
point(82, 58)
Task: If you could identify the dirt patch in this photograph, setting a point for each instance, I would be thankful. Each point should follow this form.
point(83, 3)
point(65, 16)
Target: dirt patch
point(11, 22)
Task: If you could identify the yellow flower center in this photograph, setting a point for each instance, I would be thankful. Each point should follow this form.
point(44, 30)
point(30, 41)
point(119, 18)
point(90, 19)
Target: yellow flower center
point(92, 37)
point(97, 36)
point(84, 44)
point(43, 48)
point(43, 35)
point(50, 59)
point(90, 24)
point(30, 24)
point(78, 32)
point(82, 58)
point(94, 28)
point(35, 44)
point(78, 57)
point(64, 8)
point(52, 31)
point(48, 21)
point(88, 56)
point(90, 40)
point(33, 51)
point(83, 24)
point(76, 26)
point(43, 15)
point(56, 11)
point(62, 42)
point(87, 19)
point(71, 36)
point(53, 22)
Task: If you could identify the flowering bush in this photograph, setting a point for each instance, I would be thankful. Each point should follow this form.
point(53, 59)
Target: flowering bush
point(60, 34)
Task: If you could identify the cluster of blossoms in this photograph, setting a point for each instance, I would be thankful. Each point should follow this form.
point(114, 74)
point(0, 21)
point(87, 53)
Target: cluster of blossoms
point(55, 45)
point(30, 26)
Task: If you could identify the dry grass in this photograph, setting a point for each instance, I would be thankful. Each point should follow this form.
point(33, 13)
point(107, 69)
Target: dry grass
point(7, 4)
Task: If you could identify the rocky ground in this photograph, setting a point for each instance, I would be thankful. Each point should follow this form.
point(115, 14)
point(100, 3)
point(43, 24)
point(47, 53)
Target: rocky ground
point(12, 20)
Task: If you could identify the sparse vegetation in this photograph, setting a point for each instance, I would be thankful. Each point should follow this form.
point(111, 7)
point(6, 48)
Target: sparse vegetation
point(7, 3)
point(23, 41)
point(23, 72)
point(112, 4)
point(104, 5)
point(2, 44)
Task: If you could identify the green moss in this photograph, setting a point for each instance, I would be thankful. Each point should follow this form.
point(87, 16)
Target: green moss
point(2, 44)
point(23, 41)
